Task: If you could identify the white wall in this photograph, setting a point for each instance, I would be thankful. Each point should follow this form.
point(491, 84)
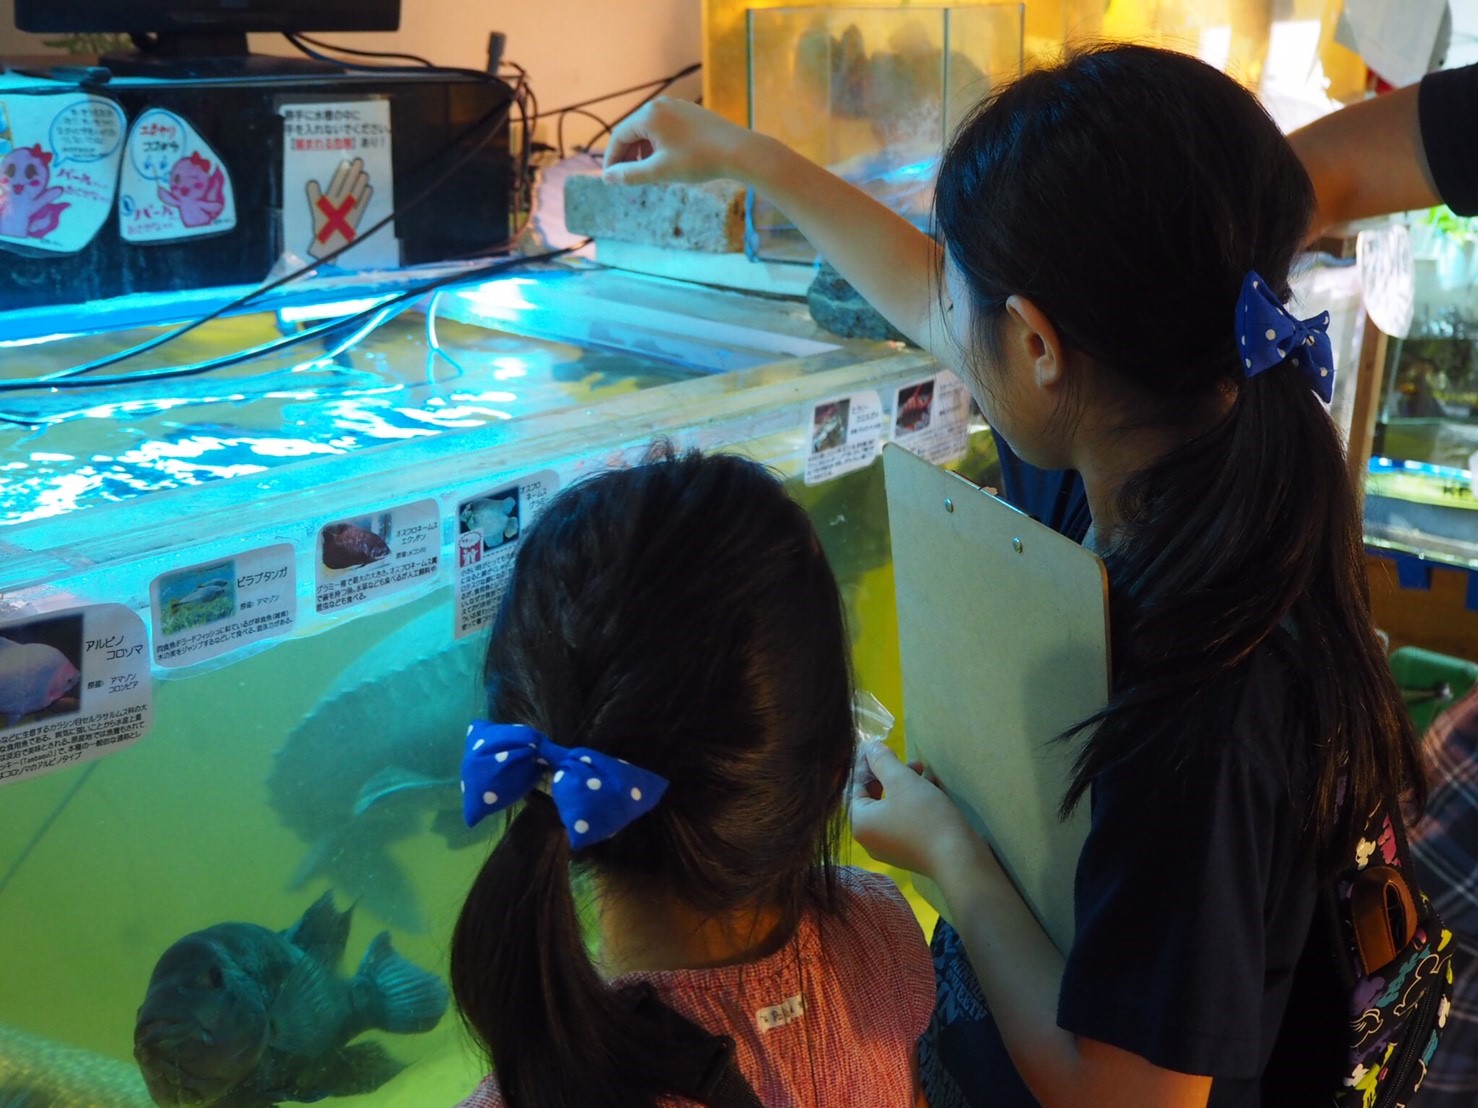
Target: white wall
point(573, 49)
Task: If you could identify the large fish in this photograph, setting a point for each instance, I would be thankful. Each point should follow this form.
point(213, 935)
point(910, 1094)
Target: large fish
point(33, 675)
point(238, 1016)
point(377, 759)
point(39, 1073)
point(346, 546)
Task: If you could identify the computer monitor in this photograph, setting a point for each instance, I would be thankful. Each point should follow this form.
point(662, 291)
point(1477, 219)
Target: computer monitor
point(202, 37)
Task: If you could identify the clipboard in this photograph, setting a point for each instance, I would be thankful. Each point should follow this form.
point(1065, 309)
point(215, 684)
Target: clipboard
point(1003, 640)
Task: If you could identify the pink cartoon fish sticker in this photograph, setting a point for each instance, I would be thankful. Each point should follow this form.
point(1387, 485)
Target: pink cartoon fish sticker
point(28, 200)
point(33, 676)
point(196, 191)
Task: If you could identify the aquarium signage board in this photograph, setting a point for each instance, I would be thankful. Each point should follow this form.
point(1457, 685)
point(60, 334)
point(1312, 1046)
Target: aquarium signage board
point(74, 685)
point(174, 186)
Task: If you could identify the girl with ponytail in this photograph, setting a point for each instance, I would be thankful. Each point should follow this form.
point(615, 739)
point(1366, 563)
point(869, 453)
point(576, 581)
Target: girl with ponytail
point(670, 731)
point(1115, 235)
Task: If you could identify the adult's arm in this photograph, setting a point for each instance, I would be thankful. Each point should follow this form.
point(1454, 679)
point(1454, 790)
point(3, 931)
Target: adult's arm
point(1367, 159)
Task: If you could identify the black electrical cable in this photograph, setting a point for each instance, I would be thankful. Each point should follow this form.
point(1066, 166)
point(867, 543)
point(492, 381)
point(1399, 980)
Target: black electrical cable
point(415, 58)
point(340, 323)
point(496, 115)
point(686, 71)
point(559, 128)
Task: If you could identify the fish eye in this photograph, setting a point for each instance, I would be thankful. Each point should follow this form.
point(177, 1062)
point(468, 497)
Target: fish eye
point(213, 978)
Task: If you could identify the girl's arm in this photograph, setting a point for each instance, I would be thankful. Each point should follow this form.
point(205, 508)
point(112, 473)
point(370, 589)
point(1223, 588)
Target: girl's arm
point(887, 259)
point(903, 819)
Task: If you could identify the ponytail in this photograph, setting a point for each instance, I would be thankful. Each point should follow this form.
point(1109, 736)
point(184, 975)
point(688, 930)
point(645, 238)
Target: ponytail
point(1248, 535)
point(555, 1033)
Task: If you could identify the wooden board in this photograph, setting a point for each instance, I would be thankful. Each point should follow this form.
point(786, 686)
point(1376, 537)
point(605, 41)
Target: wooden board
point(1003, 638)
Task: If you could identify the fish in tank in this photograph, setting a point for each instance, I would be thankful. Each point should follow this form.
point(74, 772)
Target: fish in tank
point(240, 1016)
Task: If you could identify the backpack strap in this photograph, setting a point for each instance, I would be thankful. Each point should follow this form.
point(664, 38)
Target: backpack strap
point(703, 1066)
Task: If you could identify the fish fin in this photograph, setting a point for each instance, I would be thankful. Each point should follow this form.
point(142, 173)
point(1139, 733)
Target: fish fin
point(323, 931)
point(392, 780)
point(452, 827)
point(358, 863)
point(307, 1012)
point(395, 994)
point(348, 1071)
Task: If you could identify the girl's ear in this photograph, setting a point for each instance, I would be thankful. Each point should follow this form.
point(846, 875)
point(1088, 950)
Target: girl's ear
point(1037, 341)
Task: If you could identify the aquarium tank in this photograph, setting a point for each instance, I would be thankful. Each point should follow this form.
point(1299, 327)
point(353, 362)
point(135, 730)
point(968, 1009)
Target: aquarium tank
point(244, 594)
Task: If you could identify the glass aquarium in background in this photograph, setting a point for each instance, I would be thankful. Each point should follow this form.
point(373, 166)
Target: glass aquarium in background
point(1421, 492)
point(871, 94)
point(317, 755)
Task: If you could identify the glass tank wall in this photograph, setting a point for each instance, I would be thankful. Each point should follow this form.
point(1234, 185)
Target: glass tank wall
point(871, 94)
point(252, 607)
point(1422, 490)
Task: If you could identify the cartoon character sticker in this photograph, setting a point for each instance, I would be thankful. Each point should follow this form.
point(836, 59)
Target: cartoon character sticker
point(196, 189)
point(59, 160)
point(29, 205)
point(175, 186)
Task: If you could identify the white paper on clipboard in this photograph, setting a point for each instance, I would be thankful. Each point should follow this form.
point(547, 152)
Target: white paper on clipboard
point(1003, 639)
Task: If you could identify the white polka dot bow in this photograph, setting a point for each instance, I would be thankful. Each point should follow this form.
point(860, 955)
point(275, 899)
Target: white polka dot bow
point(596, 794)
point(1268, 335)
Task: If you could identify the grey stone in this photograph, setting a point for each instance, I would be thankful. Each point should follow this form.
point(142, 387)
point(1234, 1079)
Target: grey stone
point(839, 308)
point(707, 217)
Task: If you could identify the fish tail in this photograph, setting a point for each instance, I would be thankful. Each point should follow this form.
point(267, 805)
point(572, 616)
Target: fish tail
point(396, 994)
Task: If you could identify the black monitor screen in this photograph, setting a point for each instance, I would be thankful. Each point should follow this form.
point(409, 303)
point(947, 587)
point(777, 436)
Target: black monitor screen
point(206, 16)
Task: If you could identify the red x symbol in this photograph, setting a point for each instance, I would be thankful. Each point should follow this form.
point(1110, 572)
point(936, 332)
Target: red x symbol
point(335, 218)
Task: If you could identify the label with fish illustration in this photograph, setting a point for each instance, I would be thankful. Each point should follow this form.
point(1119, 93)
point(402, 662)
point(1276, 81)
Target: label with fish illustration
point(174, 184)
point(59, 160)
point(365, 556)
point(74, 685)
point(931, 418)
point(337, 182)
point(844, 434)
point(216, 607)
point(488, 528)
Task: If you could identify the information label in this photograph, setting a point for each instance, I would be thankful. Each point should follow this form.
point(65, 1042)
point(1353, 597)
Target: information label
point(74, 685)
point(489, 526)
point(216, 607)
point(367, 556)
point(337, 182)
point(845, 435)
point(931, 418)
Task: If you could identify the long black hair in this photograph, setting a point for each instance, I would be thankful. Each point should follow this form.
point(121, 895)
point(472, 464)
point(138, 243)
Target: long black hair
point(680, 615)
point(1127, 192)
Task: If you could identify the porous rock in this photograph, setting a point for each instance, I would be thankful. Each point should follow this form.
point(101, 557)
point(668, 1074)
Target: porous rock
point(707, 217)
point(839, 308)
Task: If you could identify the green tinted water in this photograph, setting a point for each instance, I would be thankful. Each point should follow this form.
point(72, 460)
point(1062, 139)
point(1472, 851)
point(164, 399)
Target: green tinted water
point(178, 833)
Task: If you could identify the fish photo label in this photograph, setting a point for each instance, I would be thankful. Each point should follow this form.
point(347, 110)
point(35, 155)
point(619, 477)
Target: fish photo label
point(74, 685)
point(381, 552)
point(210, 609)
point(174, 184)
point(488, 527)
point(843, 434)
point(931, 418)
point(59, 160)
point(337, 183)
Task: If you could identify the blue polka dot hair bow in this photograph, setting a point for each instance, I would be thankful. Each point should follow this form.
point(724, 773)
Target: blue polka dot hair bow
point(1269, 335)
point(596, 794)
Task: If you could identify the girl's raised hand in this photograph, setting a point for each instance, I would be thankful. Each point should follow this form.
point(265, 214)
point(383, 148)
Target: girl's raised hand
point(675, 140)
point(899, 815)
